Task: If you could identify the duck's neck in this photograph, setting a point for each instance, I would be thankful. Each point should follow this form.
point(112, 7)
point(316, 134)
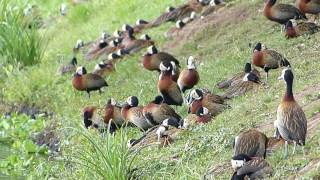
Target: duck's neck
point(289, 93)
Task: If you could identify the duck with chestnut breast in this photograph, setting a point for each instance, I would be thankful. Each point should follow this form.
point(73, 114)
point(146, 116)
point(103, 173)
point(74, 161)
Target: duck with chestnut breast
point(167, 87)
point(152, 59)
point(189, 77)
point(157, 111)
point(179, 25)
point(138, 44)
point(249, 82)
point(291, 121)
point(214, 103)
point(300, 29)
point(239, 76)
point(112, 112)
point(281, 13)
point(201, 116)
point(71, 67)
point(104, 69)
point(83, 81)
point(250, 167)
point(214, 6)
point(132, 113)
point(93, 117)
point(268, 59)
point(309, 6)
point(252, 142)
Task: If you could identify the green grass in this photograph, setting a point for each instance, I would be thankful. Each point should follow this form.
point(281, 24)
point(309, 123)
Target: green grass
point(19, 43)
point(223, 50)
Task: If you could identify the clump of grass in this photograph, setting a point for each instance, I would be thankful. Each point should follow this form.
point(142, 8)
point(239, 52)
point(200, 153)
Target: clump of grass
point(19, 42)
point(104, 156)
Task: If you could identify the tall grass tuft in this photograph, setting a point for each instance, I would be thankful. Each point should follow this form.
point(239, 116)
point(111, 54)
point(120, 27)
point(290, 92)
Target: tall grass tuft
point(103, 156)
point(19, 43)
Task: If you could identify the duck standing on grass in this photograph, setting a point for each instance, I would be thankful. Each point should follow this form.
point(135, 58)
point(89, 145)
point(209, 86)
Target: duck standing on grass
point(268, 59)
point(291, 123)
point(83, 81)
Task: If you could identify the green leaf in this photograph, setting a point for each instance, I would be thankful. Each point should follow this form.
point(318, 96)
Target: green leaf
point(29, 146)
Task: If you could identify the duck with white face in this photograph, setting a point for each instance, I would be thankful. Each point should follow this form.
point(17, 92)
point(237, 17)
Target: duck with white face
point(104, 69)
point(133, 113)
point(83, 81)
point(152, 59)
point(249, 82)
point(252, 168)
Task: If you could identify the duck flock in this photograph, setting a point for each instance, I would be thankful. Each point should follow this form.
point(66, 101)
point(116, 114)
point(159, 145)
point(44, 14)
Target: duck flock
point(159, 120)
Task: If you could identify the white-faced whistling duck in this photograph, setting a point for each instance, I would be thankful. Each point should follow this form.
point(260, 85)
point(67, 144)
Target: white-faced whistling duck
point(214, 103)
point(291, 121)
point(189, 77)
point(309, 6)
point(268, 59)
point(250, 81)
point(157, 111)
point(132, 113)
point(281, 13)
point(138, 44)
point(250, 167)
point(113, 113)
point(93, 117)
point(71, 67)
point(152, 59)
point(214, 6)
point(302, 28)
point(252, 142)
point(103, 69)
point(168, 88)
point(239, 76)
point(83, 81)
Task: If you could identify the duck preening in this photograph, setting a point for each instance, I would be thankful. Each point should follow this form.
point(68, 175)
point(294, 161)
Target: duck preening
point(83, 81)
point(268, 59)
point(252, 142)
point(93, 118)
point(112, 112)
point(281, 13)
point(291, 123)
point(302, 28)
point(214, 103)
point(188, 77)
point(167, 87)
point(250, 167)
